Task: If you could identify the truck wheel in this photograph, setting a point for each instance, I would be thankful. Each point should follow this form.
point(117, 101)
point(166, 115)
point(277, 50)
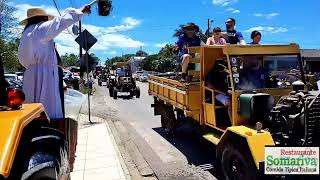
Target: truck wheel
point(46, 173)
point(169, 122)
point(137, 92)
point(99, 83)
point(115, 93)
point(111, 91)
point(237, 165)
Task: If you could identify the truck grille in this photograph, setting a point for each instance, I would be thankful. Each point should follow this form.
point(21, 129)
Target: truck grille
point(312, 123)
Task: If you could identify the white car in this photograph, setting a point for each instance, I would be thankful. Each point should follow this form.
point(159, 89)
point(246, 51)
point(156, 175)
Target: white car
point(20, 75)
point(9, 77)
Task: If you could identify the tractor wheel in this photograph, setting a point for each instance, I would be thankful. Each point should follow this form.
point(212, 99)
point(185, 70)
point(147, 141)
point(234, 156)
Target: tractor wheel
point(132, 93)
point(111, 91)
point(236, 163)
point(169, 122)
point(137, 92)
point(115, 93)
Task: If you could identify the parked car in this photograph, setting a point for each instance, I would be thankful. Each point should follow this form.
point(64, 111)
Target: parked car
point(20, 75)
point(10, 77)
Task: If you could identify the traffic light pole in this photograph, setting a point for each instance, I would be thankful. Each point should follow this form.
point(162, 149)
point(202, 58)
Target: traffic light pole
point(87, 68)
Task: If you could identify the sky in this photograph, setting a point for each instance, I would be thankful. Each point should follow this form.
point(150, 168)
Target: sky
point(150, 24)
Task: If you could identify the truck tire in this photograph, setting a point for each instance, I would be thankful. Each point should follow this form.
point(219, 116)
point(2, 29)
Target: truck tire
point(110, 91)
point(115, 93)
point(169, 122)
point(46, 173)
point(237, 164)
point(137, 92)
point(99, 83)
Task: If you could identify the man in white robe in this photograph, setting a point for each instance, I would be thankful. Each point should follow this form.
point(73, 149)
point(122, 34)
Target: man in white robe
point(38, 55)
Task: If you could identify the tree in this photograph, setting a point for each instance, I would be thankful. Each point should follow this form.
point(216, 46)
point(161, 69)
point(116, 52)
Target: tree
point(123, 58)
point(8, 22)
point(9, 53)
point(150, 62)
point(69, 60)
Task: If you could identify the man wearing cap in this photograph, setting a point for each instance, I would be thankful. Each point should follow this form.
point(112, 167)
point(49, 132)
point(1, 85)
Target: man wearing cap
point(188, 39)
point(232, 36)
point(37, 53)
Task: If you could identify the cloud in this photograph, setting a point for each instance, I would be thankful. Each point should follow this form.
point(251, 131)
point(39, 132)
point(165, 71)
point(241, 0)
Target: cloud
point(223, 2)
point(21, 10)
point(267, 16)
point(110, 52)
point(268, 29)
point(232, 10)
point(108, 37)
point(160, 45)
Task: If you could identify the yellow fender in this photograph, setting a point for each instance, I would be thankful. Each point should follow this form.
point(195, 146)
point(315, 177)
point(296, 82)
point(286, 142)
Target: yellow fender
point(12, 124)
point(256, 141)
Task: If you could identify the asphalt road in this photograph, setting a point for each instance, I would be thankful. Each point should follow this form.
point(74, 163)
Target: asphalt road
point(187, 156)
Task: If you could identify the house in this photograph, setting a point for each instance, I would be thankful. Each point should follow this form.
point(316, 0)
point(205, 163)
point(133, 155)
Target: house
point(311, 59)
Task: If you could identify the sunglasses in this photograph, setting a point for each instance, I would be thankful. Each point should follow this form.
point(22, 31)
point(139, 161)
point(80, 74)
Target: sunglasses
point(217, 31)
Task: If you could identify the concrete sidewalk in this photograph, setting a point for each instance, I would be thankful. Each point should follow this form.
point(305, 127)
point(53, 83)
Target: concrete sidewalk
point(97, 155)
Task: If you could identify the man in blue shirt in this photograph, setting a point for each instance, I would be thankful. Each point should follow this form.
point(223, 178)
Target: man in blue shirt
point(188, 39)
point(232, 36)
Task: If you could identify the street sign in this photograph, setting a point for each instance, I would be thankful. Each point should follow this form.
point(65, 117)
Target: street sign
point(86, 40)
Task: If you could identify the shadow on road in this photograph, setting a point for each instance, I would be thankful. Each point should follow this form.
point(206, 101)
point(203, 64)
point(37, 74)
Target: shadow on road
point(196, 149)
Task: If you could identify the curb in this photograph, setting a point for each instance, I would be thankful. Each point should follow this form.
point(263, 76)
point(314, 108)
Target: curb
point(130, 147)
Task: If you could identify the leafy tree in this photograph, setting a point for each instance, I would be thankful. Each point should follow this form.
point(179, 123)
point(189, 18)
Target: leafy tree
point(8, 22)
point(9, 53)
point(123, 58)
point(150, 62)
point(69, 60)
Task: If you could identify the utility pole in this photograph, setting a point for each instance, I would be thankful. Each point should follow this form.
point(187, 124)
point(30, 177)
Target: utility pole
point(80, 50)
point(208, 30)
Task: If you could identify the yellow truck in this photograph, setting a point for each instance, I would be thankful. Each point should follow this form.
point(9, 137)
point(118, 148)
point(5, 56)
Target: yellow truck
point(268, 107)
point(33, 146)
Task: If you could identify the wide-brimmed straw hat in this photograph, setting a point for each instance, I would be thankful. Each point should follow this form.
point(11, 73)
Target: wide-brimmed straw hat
point(34, 12)
point(191, 25)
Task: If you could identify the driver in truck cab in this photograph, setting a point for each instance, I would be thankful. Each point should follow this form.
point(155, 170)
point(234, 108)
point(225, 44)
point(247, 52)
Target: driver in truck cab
point(188, 39)
point(217, 80)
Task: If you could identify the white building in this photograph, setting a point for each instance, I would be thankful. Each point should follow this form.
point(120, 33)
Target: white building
point(135, 62)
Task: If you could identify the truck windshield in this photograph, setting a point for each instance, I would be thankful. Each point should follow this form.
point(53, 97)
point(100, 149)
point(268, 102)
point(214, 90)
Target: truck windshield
point(265, 71)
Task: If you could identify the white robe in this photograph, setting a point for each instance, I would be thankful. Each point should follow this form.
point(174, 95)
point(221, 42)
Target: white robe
point(37, 54)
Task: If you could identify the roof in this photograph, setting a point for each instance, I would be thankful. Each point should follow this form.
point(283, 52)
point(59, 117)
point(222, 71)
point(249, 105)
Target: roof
point(310, 53)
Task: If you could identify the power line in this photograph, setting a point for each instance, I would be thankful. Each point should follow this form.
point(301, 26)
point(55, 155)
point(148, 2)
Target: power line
point(56, 6)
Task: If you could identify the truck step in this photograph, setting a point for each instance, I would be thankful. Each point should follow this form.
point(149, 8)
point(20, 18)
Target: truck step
point(214, 138)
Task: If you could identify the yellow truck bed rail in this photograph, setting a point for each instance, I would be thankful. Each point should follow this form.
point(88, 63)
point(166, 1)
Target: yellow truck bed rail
point(184, 96)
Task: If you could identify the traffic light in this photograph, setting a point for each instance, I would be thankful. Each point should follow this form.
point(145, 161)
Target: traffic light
point(104, 7)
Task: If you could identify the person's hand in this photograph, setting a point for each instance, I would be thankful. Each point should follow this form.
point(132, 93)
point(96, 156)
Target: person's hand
point(86, 9)
point(229, 92)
